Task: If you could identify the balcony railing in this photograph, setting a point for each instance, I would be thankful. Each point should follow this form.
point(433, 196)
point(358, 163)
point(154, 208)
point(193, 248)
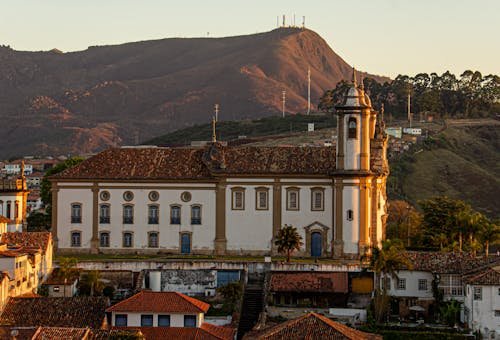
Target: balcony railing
point(175, 220)
point(152, 220)
point(76, 219)
point(196, 221)
point(104, 219)
point(128, 220)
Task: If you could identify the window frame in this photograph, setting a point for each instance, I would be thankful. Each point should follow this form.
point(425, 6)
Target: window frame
point(235, 191)
point(190, 317)
point(128, 219)
point(102, 218)
point(477, 293)
point(166, 316)
point(122, 317)
point(401, 284)
point(76, 244)
point(76, 218)
point(108, 241)
point(289, 191)
point(152, 219)
point(352, 133)
point(422, 285)
point(131, 239)
point(314, 191)
point(149, 317)
point(179, 218)
point(157, 239)
point(196, 221)
point(350, 215)
point(258, 192)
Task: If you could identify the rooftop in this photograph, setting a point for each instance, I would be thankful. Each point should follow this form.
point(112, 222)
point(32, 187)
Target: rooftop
point(488, 277)
point(40, 239)
point(4, 219)
point(160, 302)
point(449, 262)
point(311, 326)
point(183, 333)
point(310, 282)
point(67, 333)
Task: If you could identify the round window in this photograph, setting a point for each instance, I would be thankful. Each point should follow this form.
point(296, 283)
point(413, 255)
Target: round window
point(186, 196)
point(128, 196)
point(104, 195)
point(154, 196)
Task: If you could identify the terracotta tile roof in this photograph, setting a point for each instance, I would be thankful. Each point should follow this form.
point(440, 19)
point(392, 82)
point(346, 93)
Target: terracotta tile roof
point(12, 253)
point(23, 333)
point(311, 326)
point(56, 278)
point(488, 277)
point(177, 333)
point(190, 163)
point(160, 302)
point(310, 282)
point(67, 333)
point(105, 334)
point(219, 331)
point(449, 262)
point(4, 219)
point(39, 239)
point(77, 312)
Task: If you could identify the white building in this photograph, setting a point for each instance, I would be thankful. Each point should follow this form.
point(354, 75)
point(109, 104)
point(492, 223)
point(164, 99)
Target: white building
point(231, 200)
point(13, 202)
point(482, 302)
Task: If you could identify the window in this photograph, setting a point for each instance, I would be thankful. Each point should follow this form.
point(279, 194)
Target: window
point(422, 284)
point(478, 293)
point(56, 289)
point(451, 285)
point(16, 210)
point(401, 284)
point(163, 320)
point(146, 320)
point(76, 239)
point(317, 199)
point(104, 239)
point(121, 320)
point(352, 128)
point(153, 214)
point(153, 240)
point(76, 213)
point(128, 240)
point(196, 214)
point(238, 198)
point(497, 313)
point(350, 215)
point(261, 199)
point(104, 214)
point(189, 320)
point(8, 210)
point(292, 199)
point(128, 214)
point(175, 214)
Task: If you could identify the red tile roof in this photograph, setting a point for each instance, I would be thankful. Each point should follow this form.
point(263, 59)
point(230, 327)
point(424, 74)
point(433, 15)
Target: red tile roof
point(56, 277)
point(77, 312)
point(106, 334)
point(23, 333)
point(177, 333)
point(160, 302)
point(190, 163)
point(310, 282)
point(4, 219)
point(311, 326)
point(488, 277)
point(219, 331)
point(449, 262)
point(39, 239)
point(67, 333)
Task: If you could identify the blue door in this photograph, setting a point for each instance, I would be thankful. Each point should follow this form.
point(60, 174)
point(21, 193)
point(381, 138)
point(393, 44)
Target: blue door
point(185, 243)
point(316, 241)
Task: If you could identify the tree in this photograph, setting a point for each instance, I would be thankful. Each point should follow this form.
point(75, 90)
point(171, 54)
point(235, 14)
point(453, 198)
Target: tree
point(38, 221)
point(490, 235)
point(231, 291)
point(403, 221)
point(92, 283)
point(45, 193)
point(385, 262)
point(288, 240)
point(68, 269)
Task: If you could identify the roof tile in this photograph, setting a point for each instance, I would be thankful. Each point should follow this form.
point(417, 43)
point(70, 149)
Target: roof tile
point(160, 302)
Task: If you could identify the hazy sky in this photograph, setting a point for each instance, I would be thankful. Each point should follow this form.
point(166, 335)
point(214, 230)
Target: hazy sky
point(385, 37)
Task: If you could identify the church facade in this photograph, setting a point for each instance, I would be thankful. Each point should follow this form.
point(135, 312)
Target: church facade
point(230, 200)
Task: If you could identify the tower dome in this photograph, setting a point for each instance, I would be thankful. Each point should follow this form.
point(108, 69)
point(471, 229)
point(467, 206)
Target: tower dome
point(355, 96)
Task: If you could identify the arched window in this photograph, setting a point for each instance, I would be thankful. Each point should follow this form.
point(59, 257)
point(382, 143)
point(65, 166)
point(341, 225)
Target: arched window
point(128, 214)
point(104, 239)
point(352, 128)
point(350, 215)
point(175, 214)
point(128, 240)
point(196, 214)
point(153, 240)
point(76, 239)
point(76, 213)
point(104, 213)
point(16, 210)
point(8, 209)
point(153, 214)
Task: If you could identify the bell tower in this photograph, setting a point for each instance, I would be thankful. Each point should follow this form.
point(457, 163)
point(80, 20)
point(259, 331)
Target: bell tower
point(353, 177)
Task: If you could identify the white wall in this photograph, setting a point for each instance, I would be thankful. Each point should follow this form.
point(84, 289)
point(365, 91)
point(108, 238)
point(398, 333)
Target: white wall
point(352, 147)
point(350, 229)
point(176, 320)
point(412, 290)
point(65, 197)
point(482, 312)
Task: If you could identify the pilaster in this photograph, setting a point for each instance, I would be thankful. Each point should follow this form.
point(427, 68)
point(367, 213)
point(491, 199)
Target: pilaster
point(55, 191)
point(94, 241)
point(338, 243)
point(277, 210)
point(220, 243)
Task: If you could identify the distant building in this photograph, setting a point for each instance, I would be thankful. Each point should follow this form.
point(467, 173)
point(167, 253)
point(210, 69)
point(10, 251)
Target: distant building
point(13, 202)
point(231, 200)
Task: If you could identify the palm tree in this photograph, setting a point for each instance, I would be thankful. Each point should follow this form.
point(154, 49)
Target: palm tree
point(67, 269)
point(490, 235)
point(386, 261)
point(288, 240)
point(93, 281)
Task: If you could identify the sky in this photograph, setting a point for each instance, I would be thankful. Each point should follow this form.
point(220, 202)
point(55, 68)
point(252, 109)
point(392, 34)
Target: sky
point(385, 37)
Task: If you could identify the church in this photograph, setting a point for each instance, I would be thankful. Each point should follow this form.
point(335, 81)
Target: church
point(227, 200)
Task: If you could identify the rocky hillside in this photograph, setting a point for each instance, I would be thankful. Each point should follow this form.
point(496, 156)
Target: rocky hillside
point(53, 102)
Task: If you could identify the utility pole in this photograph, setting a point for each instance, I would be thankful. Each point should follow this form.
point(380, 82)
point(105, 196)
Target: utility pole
point(284, 101)
point(409, 105)
point(216, 109)
point(308, 90)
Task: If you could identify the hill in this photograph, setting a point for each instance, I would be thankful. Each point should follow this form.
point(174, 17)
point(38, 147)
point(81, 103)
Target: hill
point(52, 102)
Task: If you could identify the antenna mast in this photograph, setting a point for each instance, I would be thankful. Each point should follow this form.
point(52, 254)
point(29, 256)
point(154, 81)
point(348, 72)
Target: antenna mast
point(304, 21)
point(409, 106)
point(283, 20)
point(284, 101)
point(216, 109)
point(308, 90)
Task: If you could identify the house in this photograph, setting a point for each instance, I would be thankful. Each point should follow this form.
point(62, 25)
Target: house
point(4, 222)
point(66, 333)
point(79, 312)
point(310, 326)
point(59, 286)
point(228, 199)
point(482, 301)
point(165, 315)
point(38, 240)
point(13, 202)
point(21, 266)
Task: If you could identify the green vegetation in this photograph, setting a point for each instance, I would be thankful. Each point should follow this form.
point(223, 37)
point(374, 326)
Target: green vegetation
point(471, 95)
point(251, 128)
point(288, 240)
